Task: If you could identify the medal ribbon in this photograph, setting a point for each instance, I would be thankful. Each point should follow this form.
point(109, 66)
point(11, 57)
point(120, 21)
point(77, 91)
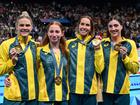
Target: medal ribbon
point(58, 68)
point(17, 43)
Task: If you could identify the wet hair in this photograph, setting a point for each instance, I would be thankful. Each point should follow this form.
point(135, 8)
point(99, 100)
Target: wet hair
point(91, 23)
point(117, 18)
point(62, 40)
point(24, 15)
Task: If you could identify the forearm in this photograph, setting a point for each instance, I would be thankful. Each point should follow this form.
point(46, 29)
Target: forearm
point(131, 65)
point(6, 67)
point(99, 60)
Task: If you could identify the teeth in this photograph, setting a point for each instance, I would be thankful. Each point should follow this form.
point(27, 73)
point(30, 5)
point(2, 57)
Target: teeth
point(83, 30)
point(114, 32)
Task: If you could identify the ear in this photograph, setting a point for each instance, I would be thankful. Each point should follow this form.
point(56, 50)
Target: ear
point(62, 34)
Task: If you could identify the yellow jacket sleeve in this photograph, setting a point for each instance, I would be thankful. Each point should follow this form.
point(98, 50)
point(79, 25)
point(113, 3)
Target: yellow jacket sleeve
point(99, 60)
point(131, 61)
point(6, 64)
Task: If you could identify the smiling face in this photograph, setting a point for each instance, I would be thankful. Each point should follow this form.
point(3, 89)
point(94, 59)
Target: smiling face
point(24, 26)
point(84, 27)
point(114, 28)
point(55, 33)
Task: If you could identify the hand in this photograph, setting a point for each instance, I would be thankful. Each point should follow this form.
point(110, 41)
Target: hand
point(97, 47)
point(13, 55)
point(96, 43)
point(98, 37)
point(7, 82)
point(123, 51)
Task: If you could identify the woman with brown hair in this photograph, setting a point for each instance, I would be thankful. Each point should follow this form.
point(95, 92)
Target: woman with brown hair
point(84, 53)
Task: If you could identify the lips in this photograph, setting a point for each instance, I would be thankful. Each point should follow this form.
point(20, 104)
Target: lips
point(114, 31)
point(24, 30)
point(54, 38)
point(83, 30)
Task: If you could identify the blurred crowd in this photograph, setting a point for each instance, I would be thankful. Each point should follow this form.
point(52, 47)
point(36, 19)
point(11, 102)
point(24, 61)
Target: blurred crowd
point(9, 12)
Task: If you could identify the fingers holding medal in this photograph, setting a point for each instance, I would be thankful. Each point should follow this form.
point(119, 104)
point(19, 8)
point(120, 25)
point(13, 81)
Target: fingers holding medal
point(14, 52)
point(96, 43)
point(117, 47)
point(18, 49)
point(121, 49)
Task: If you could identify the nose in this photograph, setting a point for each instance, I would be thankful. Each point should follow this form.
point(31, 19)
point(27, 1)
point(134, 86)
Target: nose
point(53, 34)
point(24, 27)
point(84, 26)
point(113, 28)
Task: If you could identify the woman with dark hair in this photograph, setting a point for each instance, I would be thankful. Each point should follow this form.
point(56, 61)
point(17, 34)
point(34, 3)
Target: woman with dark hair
point(121, 59)
point(53, 67)
point(84, 64)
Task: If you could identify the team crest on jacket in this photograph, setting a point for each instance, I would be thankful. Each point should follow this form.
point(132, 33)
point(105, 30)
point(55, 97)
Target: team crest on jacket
point(74, 45)
point(106, 44)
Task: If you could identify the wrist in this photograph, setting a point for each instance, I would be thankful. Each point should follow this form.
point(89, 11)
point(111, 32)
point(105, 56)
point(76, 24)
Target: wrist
point(14, 60)
point(96, 47)
point(124, 56)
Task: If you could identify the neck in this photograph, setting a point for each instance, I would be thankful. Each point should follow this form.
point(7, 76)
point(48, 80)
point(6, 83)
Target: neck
point(83, 37)
point(54, 46)
point(116, 39)
point(23, 38)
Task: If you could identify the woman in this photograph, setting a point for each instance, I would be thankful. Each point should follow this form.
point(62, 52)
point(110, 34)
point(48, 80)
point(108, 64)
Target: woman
point(18, 59)
point(84, 64)
point(121, 59)
point(53, 62)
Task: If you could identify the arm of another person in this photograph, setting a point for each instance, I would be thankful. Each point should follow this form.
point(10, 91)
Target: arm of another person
point(99, 59)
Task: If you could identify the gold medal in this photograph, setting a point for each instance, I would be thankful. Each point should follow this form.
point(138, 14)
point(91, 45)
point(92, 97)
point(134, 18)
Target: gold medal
point(18, 49)
point(96, 42)
point(117, 47)
point(58, 80)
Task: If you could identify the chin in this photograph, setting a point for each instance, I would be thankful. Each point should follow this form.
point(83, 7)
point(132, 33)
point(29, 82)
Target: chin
point(24, 35)
point(114, 35)
point(84, 34)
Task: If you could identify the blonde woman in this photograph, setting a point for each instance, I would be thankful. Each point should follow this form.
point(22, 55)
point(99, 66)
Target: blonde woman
point(18, 60)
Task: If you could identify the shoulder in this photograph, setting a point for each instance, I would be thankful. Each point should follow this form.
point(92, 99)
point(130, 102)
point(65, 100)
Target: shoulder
point(70, 40)
point(105, 39)
point(8, 42)
point(130, 41)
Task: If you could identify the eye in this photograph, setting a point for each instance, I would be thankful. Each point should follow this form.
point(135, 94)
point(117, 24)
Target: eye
point(51, 31)
point(82, 24)
point(116, 25)
point(57, 31)
point(28, 25)
point(110, 26)
point(87, 24)
point(21, 25)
